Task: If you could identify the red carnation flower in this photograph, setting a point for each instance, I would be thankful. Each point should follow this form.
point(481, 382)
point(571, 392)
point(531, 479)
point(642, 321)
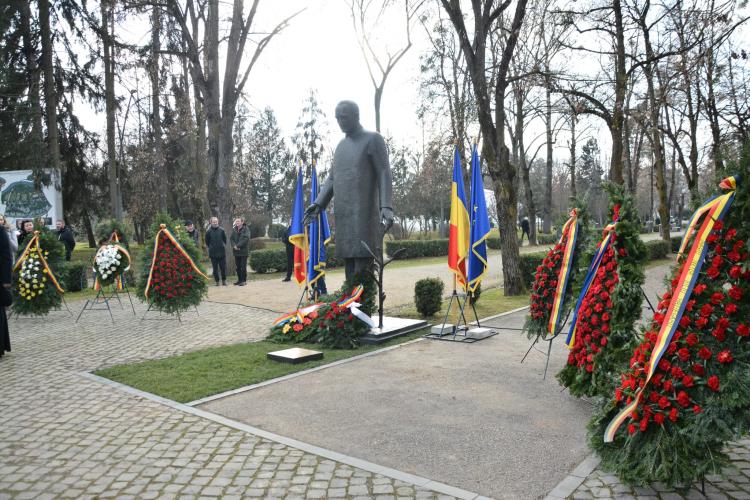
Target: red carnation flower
point(683, 399)
point(683, 354)
point(697, 409)
point(677, 372)
point(699, 289)
point(691, 339)
point(684, 322)
point(698, 369)
point(631, 429)
point(701, 323)
point(743, 330)
point(664, 402)
point(668, 386)
point(725, 356)
point(673, 413)
point(713, 383)
point(717, 297)
point(705, 353)
point(735, 292)
point(712, 273)
point(659, 418)
point(731, 308)
point(298, 327)
point(687, 381)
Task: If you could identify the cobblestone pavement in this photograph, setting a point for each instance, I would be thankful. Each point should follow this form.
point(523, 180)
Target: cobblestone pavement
point(64, 436)
point(735, 483)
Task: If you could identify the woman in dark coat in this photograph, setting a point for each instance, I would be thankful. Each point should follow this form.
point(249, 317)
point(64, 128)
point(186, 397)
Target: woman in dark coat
point(6, 263)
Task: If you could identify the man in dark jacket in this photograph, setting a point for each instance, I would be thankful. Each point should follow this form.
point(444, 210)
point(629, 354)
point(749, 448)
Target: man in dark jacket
point(525, 230)
point(241, 246)
point(65, 235)
point(216, 242)
point(289, 255)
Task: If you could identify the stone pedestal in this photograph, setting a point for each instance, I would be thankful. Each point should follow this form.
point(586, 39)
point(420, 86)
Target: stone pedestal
point(392, 327)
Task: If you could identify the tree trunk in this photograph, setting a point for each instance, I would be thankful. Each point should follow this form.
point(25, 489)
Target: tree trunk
point(572, 165)
point(89, 230)
point(33, 77)
point(109, 84)
point(547, 222)
point(50, 95)
point(524, 166)
point(161, 166)
point(656, 137)
point(621, 84)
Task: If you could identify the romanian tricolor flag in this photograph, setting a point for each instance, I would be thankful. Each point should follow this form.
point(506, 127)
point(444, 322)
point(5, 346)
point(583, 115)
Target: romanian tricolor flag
point(298, 232)
point(479, 224)
point(569, 235)
point(458, 237)
point(320, 236)
point(711, 212)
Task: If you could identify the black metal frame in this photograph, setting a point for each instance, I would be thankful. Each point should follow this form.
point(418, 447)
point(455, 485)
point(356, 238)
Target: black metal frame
point(549, 344)
point(454, 335)
point(102, 297)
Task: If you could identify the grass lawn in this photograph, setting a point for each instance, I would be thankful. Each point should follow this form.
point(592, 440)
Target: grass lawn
point(205, 372)
point(199, 374)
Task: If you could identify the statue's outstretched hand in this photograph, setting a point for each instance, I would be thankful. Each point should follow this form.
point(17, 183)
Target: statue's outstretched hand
point(386, 218)
point(311, 213)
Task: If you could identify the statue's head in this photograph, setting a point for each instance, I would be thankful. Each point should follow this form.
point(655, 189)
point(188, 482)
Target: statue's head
point(347, 116)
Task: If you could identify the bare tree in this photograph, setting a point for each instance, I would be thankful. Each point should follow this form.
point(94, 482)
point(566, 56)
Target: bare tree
point(491, 112)
point(219, 94)
point(365, 16)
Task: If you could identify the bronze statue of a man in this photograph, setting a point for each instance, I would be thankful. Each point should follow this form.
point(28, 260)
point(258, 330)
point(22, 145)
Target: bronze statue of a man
point(361, 181)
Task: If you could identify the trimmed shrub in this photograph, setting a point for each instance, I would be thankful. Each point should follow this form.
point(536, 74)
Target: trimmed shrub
point(676, 242)
point(493, 243)
point(529, 263)
point(267, 261)
point(546, 239)
point(413, 249)
point(657, 249)
point(428, 296)
point(257, 244)
point(75, 276)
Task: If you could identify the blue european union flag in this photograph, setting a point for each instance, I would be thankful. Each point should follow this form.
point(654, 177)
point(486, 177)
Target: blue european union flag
point(479, 223)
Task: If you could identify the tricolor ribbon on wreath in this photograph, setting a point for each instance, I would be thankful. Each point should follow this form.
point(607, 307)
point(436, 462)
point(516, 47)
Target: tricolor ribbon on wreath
point(601, 249)
point(164, 232)
point(714, 210)
point(33, 247)
point(347, 303)
point(118, 278)
point(569, 231)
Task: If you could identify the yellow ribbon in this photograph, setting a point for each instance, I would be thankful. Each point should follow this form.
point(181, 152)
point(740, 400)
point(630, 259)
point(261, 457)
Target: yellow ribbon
point(33, 246)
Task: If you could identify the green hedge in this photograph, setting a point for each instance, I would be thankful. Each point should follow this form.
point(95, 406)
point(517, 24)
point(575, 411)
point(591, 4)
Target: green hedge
point(266, 261)
point(658, 249)
point(74, 277)
point(413, 249)
point(493, 243)
point(676, 241)
point(546, 239)
point(529, 263)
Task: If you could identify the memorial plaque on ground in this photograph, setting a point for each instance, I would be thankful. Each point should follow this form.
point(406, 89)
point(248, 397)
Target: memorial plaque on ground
point(295, 355)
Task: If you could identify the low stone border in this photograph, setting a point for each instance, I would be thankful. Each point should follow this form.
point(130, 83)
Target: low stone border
point(567, 486)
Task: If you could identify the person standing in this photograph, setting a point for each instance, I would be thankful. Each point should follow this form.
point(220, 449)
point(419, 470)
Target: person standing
point(525, 230)
point(216, 242)
point(65, 235)
point(192, 232)
point(6, 299)
point(11, 234)
point(27, 227)
point(289, 255)
point(241, 247)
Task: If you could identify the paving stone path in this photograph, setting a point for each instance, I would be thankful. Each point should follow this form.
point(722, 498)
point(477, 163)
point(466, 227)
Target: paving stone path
point(65, 436)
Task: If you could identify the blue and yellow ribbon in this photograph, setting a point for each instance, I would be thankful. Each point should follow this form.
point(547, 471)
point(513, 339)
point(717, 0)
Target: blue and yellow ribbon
point(601, 249)
point(569, 231)
point(715, 209)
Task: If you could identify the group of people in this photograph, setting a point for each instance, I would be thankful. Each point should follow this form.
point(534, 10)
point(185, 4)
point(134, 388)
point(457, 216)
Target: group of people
point(15, 238)
point(216, 242)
